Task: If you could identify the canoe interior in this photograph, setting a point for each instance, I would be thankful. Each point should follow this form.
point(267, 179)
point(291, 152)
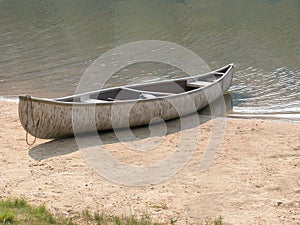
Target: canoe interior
point(147, 91)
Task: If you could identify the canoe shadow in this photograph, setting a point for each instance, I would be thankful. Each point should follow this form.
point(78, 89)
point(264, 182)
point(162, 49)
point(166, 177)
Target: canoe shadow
point(66, 146)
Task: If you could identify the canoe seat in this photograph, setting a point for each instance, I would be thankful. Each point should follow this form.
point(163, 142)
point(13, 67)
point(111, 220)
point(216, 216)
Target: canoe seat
point(89, 100)
point(155, 93)
point(198, 83)
point(146, 96)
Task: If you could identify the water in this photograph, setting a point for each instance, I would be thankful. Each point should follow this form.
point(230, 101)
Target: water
point(46, 45)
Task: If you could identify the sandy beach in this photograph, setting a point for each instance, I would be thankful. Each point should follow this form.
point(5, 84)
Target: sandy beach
point(254, 179)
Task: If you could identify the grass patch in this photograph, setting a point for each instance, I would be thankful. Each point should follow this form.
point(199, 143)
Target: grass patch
point(104, 219)
point(216, 221)
point(6, 217)
point(17, 211)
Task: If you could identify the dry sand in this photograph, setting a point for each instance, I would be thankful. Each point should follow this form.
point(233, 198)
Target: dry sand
point(254, 179)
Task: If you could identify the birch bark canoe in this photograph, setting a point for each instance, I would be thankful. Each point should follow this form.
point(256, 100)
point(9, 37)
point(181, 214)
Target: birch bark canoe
point(123, 106)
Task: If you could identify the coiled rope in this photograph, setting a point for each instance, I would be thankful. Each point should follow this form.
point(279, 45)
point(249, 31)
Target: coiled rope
point(29, 107)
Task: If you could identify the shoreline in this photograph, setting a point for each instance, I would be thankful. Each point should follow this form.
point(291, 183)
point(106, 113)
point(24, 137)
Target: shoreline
point(253, 179)
point(276, 116)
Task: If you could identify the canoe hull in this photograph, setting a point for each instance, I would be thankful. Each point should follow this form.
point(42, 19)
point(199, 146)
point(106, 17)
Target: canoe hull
point(50, 119)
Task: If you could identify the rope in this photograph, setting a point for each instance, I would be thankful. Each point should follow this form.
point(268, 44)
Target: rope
point(28, 99)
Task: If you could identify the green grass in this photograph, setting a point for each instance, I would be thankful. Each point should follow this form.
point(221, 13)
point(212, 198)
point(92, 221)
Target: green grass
point(17, 211)
point(217, 221)
point(104, 219)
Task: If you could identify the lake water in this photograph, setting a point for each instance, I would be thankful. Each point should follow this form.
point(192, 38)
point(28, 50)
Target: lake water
point(46, 45)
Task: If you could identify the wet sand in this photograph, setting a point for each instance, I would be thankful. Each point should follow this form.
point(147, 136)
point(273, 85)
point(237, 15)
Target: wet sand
point(254, 178)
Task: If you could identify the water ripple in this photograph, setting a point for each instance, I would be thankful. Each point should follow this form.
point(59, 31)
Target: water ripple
point(260, 92)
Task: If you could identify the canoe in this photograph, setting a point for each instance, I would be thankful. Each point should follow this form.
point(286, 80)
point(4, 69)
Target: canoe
point(123, 106)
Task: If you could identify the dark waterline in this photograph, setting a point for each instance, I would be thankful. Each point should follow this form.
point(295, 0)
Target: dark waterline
point(45, 46)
